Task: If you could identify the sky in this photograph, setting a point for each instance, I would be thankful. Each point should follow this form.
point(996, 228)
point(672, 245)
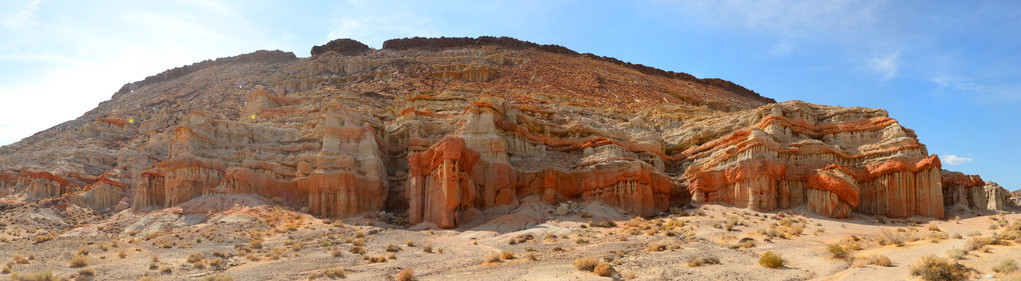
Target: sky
point(947, 69)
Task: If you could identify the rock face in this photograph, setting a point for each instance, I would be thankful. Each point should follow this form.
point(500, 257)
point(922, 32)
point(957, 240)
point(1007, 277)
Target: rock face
point(444, 129)
point(832, 159)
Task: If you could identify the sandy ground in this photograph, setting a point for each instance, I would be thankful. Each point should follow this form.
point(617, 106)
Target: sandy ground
point(290, 245)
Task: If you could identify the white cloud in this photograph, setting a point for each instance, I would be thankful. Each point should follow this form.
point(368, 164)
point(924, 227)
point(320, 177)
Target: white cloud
point(83, 60)
point(782, 48)
point(951, 159)
point(886, 65)
point(19, 19)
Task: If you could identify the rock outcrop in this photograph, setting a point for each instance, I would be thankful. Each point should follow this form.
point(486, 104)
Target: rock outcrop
point(445, 130)
point(971, 192)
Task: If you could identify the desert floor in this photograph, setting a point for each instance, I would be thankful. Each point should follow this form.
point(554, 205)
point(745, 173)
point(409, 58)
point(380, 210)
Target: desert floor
point(250, 239)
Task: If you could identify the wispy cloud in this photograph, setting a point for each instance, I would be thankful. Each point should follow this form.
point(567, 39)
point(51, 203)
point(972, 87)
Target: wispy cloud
point(951, 159)
point(20, 18)
point(373, 29)
point(886, 65)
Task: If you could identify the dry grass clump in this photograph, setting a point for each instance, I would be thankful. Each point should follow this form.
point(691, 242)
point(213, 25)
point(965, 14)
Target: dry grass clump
point(657, 248)
point(769, 259)
point(375, 259)
point(195, 257)
point(358, 242)
point(1005, 266)
point(336, 253)
point(786, 228)
point(521, 239)
point(837, 252)
point(41, 276)
point(406, 274)
point(43, 238)
point(933, 268)
point(122, 253)
point(507, 255)
point(335, 273)
point(79, 260)
point(887, 237)
point(428, 248)
point(978, 243)
point(585, 264)
point(603, 269)
point(393, 248)
point(358, 250)
point(877, 260)
point(219, 276)
point(696, 262)
point(18, 258)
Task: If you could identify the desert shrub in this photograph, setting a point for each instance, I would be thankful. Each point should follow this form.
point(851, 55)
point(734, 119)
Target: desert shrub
point(888, 237)
point(87, 272)
point(696, 262)
point(428, 248)
point(393, 248)
point(358, 250)
point(375, 259)
point(656, 248)
point(746, 242)
point(978, 243)
point(195, 257)
point(336, 253)
point(122, 253)
point(603, 269)
point(18, 258)
point(40, 276)
point(956, 254)
point(43, 238)
point(336, 272)
point(933, 268)
point(837, 252)
point(409, 243)
point(585, 264)
point(770, 259)
point(406, 274)
point(1005, 266)
point(79, 260)
point(219, 276)
point(507, 255)
point(877, 260)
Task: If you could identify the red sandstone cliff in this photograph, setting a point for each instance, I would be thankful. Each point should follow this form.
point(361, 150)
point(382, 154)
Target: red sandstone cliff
point(443, 129)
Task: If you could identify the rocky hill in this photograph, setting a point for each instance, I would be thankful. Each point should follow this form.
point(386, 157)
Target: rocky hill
point(449, 131)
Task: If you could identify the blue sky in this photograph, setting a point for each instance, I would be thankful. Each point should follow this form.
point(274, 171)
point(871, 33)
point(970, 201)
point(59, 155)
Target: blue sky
point(948, 69)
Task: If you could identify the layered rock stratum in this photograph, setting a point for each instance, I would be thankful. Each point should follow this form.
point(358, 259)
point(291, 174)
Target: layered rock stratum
point(445, 129)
